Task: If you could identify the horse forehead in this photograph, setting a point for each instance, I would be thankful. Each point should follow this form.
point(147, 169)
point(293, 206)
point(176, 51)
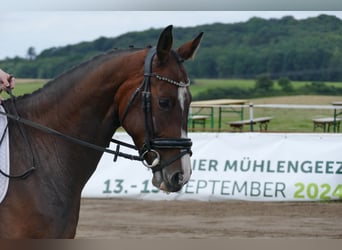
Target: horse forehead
point(179, 70)
point(173, 68)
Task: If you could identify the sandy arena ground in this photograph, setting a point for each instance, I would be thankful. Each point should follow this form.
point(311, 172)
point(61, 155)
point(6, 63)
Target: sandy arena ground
point(138, 219)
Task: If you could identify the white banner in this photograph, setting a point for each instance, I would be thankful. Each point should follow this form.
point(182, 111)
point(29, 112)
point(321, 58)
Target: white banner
point(244, 166)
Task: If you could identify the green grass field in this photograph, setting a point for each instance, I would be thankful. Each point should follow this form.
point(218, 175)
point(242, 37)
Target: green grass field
point(205, 84)
point(26, 86)
point(285, 120)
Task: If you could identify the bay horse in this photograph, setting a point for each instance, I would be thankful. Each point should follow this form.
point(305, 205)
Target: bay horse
point(52, 131)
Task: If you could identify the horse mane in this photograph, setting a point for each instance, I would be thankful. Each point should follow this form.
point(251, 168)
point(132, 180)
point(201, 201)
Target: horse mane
point(62, 79)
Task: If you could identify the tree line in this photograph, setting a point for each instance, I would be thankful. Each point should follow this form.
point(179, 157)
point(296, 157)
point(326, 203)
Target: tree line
point(308, 49)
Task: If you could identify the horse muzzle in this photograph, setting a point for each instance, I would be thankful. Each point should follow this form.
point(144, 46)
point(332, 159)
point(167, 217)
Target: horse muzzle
point(173, 177)
point(172, 173)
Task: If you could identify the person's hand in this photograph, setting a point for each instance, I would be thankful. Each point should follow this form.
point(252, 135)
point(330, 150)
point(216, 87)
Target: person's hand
point(6, 81)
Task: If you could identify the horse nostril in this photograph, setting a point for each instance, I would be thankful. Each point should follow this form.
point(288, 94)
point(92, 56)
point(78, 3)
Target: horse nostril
point(177, 179)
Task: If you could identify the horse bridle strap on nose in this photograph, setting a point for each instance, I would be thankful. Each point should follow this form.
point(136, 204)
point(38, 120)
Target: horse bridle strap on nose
point(151, 143)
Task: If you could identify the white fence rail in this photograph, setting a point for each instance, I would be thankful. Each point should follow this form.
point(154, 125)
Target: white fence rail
point(252, 113)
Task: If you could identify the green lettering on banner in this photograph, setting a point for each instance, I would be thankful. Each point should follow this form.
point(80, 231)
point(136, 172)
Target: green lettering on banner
point(213, 185)
point(325, 193)
point(201, 184)
point(201, 165)
point(298, 194)
point(146, 188)
point(107, 187)
point(314, 191)
point(239, 190)
point(212, 165)
point(204, 165)
point(266, 166)
point(292, 166)
point(236, 188)
point(255, 189)
point(339, 170)
point(189, 186)
point(118, 186)
point(329, 167)
point(224, 187)
point(269, 169)
point(266, 189)
point(229, 166)
point(280, 188)
point(338, 192)
point(245, 165)
point(281, 166)
point(258, 165)
point(306, 167)
point(318, 167)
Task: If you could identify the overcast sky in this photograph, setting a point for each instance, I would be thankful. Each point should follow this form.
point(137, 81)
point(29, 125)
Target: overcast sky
point(45, 29)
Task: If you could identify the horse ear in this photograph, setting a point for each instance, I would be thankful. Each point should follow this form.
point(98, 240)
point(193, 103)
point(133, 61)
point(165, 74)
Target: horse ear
point(188, 50)
point(164, 44)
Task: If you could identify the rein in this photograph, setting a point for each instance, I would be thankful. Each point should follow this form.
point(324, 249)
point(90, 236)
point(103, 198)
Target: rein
point(20, 121)
point(51, 131)
point(23, 132)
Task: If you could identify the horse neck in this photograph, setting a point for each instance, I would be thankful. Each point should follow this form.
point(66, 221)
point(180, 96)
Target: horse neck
point(79, 104)
point(83, 96)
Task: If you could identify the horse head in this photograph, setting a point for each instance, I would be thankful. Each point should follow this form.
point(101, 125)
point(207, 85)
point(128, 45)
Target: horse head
point(155, 114)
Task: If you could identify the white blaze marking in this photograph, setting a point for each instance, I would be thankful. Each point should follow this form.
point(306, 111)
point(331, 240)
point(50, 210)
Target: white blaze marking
point(181, 97)
point(185, 160)
point(186, 167)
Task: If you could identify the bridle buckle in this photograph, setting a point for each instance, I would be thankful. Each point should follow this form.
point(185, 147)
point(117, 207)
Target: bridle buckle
point(155, 161)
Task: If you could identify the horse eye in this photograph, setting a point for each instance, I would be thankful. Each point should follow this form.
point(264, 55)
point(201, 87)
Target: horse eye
point(164, 103)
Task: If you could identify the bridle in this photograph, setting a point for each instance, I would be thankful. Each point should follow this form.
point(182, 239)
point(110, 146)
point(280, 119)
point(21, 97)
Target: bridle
point(152, 144)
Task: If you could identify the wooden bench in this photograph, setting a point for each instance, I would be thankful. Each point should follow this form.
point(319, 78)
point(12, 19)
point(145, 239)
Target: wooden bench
point(262, 121)
point(198, 119)
point(325, 123)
